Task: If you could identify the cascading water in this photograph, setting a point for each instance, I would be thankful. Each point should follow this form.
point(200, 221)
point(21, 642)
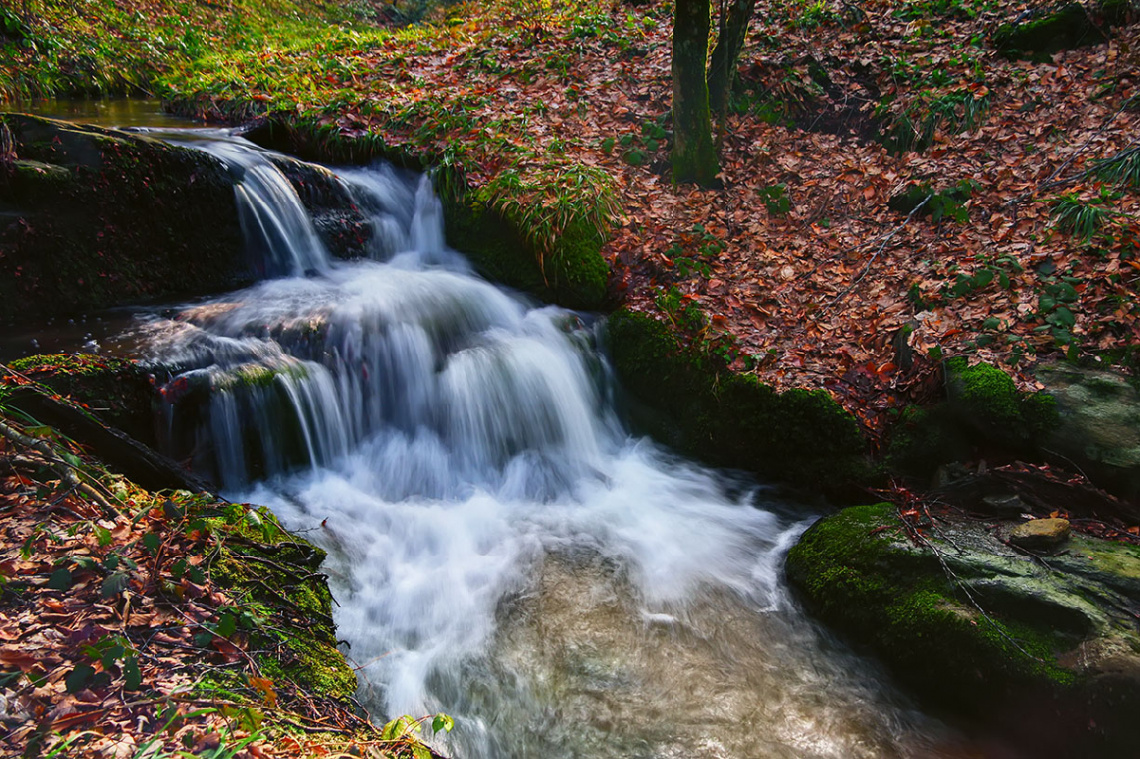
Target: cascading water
point(500, 547)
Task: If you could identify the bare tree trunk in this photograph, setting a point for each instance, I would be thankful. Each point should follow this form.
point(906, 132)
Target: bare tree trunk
point(722, 65)
point(694, 154)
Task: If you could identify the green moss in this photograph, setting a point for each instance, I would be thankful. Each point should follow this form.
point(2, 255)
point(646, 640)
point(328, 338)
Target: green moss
point(271, 570)
point(858, 572)
point(1067, 27)
point(984, 410)
point(118, 391)
point(688, 399)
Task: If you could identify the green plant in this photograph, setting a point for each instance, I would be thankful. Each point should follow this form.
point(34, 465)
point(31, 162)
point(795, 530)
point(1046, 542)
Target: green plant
point(682, 310)
point(402, 734)
point(1122, 169)
point(1082, 218)
point(775, 199)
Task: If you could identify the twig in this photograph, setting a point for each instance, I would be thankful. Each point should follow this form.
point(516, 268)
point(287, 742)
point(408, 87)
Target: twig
point(66, 471)
point(1057, 172)
point(878, 252)
point(965, 588)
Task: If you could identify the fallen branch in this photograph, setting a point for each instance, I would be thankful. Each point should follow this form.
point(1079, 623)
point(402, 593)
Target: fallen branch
point(65, 470)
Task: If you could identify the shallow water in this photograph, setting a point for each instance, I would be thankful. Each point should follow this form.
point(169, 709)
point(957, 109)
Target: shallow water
point(105, 112)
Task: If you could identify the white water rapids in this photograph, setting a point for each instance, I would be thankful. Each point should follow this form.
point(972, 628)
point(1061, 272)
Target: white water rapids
point(500, 546)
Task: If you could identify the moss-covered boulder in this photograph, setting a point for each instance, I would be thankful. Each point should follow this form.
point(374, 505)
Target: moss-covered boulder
point(92, 217)
point(1098, 424)
point(981, 629)
point(689, 400)
point(118, 391)
point(1039, 34)
point(984, 414)
point(268, 569)
point(573, 274)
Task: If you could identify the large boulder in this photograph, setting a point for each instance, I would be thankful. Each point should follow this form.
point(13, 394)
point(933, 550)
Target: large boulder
point(1099, 426)
point(93, 217)
point(1046, 648)
point(1039, 33)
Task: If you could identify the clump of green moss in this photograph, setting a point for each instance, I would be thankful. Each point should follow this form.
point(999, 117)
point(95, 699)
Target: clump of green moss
point(118, 391)
point(266, 568)
point(690, 400)
point(1069, 26)
point(984, 411)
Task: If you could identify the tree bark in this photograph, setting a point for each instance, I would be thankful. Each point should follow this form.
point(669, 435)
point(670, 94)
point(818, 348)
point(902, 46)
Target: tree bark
point(694, 154)
point(722, 65)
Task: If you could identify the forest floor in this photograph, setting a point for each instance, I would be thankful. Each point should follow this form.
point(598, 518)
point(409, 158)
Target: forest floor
point(798, 269)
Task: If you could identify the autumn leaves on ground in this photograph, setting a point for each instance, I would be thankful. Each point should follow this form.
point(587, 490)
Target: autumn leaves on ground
point(894, 190)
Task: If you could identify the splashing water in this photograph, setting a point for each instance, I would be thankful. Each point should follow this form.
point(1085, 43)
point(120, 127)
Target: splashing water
point(500, 547)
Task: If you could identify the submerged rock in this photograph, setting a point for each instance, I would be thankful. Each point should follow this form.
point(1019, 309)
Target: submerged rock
point(973, 625)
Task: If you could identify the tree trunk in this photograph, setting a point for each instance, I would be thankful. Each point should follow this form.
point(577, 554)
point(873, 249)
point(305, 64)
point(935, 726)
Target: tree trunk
point(722, 65)
point(694, 155)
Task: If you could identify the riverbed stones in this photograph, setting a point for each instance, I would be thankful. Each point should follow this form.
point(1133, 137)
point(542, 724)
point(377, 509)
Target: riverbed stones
point(1040, 533)
point(976, 627)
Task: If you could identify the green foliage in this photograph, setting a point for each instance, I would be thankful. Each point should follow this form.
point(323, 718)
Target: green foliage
point(1122, 169)
point(948, 203)
point(1081, 218)
point(776, 199)
point(928, 112)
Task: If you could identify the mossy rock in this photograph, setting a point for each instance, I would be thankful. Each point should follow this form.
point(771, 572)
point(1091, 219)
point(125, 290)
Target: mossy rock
point(268, 569)
point(1066, 27)
point(1099, 427)
point(984, 413)
point(92, 218)
point(118, 391)
point(689, 400)
point(1053, 642)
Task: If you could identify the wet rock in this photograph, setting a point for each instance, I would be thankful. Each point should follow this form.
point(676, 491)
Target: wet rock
point(341, 225)
point(1099, 427)
point(93, 217)
point(1040, 533)
point(982, 629)
point(1006, 504)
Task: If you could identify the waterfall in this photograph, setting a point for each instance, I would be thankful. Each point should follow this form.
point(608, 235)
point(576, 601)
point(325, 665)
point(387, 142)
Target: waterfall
point(500, 546)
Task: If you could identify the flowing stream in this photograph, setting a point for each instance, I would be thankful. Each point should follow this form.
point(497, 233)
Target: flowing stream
point(500, 546)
